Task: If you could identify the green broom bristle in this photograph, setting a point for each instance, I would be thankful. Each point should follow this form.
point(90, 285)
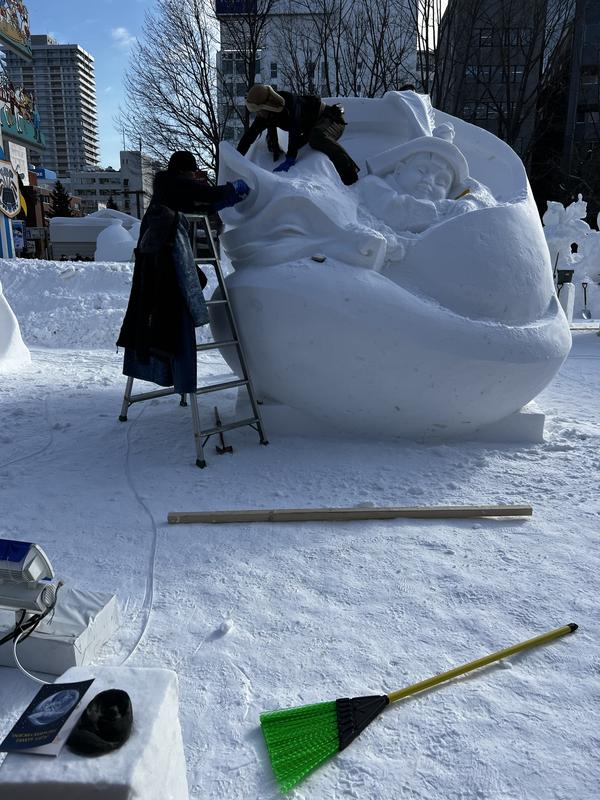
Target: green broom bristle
point(299, 740)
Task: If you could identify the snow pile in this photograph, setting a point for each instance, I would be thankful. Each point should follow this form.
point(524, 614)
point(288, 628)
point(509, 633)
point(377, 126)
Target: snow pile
point(67, 304)
point(71, 304)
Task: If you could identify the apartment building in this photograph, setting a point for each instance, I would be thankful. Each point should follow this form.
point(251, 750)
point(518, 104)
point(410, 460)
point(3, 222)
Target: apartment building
point(61, 78)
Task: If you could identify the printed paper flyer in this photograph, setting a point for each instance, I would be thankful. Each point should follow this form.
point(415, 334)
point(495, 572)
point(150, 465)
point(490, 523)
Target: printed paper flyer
point(47, 721)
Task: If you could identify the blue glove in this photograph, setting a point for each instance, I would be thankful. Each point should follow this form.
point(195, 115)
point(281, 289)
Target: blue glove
point(241, 189)
point(285, 165)
point(238, 191)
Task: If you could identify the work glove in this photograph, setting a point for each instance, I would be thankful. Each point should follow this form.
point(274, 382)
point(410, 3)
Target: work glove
point(241, 189)
point(238, 190)
point(285, 165)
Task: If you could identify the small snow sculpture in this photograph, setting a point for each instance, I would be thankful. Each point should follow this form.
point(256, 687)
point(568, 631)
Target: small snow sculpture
point(115, 243)
point(13, 352)
point(564, 227)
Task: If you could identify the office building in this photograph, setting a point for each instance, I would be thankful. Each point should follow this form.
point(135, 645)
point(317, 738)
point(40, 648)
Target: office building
point(61, 78)
point(127, 189)
point(491, 58)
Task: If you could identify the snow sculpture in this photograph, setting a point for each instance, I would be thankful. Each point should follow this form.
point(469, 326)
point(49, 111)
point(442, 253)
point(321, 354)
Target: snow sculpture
point(13, 352)
point(589, 255)
point(564, 227)
point(451, 323)
point(115, 243)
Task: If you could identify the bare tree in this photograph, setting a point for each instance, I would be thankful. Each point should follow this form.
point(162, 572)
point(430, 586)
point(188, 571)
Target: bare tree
point(490, 60)
point(243, 36)
point(343, 48)
point(171, 84)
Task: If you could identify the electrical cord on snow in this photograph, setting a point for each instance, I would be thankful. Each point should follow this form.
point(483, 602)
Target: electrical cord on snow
point(148, 601)
point(23, 630)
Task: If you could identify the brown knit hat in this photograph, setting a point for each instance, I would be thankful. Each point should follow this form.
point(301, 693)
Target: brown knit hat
point(262, 97)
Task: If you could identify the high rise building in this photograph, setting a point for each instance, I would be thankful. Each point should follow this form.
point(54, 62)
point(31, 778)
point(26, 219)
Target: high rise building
point(61, 78)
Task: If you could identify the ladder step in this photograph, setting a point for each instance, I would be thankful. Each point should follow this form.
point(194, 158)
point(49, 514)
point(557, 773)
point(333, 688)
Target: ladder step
point(219, 387)
point(216, 302)
point(216, 345)
point(229, 426)
point(137, 398)
point(205, 260)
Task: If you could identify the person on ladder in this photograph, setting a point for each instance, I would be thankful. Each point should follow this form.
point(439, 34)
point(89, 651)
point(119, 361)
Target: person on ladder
point(307, 119)
point(166, 303)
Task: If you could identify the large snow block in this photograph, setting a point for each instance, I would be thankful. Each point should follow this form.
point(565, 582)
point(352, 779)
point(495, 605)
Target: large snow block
point(149, 766)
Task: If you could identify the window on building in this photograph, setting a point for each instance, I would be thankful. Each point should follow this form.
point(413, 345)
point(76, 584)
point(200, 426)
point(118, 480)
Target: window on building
point(514, 73)
point(589, 75)
point(486, 111)
point(486, 36)
point(273, 69)
point(227, 66)
point(240, 89)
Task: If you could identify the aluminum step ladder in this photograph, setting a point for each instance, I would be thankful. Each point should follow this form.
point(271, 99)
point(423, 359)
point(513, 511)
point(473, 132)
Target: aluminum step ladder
point(200, 223)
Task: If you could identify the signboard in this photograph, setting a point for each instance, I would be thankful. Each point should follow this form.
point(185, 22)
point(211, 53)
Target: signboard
point(10, 202)
point(32, 234)
point(45, 174)
point(18, 158)
point(235, 7)
point(18, 228)
point(14, 25)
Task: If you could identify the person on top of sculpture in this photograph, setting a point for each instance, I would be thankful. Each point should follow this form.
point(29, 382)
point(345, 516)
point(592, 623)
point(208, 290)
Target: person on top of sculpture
point(423, 181)
point(166, 302)
point(307, 119)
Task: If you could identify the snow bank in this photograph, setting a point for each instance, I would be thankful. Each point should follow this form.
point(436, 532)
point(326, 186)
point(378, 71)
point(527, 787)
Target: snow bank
point(71, 304)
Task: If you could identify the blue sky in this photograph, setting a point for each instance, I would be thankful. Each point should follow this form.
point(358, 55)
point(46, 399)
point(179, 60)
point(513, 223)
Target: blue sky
point(106, 29)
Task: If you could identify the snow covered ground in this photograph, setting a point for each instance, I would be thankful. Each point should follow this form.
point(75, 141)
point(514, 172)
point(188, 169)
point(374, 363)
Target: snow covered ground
point(314, 611)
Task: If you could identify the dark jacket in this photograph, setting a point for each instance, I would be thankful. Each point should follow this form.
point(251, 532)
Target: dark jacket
point(166, 303)
point(298, 117)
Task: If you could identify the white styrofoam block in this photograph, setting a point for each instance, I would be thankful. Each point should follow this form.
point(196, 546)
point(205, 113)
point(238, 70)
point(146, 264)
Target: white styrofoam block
point(149, 766)
point(72, 636)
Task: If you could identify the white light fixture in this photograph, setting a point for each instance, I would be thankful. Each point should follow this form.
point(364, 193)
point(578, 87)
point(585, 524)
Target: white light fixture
point(27, 582)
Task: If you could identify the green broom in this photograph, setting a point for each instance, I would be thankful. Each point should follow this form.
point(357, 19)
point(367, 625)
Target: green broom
point(301, 739)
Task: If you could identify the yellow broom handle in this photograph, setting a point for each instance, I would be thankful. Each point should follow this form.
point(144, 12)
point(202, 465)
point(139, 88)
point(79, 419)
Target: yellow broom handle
point(481, 662)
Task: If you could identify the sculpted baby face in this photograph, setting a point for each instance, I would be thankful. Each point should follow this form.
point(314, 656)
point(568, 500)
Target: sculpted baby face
point(424, 176)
